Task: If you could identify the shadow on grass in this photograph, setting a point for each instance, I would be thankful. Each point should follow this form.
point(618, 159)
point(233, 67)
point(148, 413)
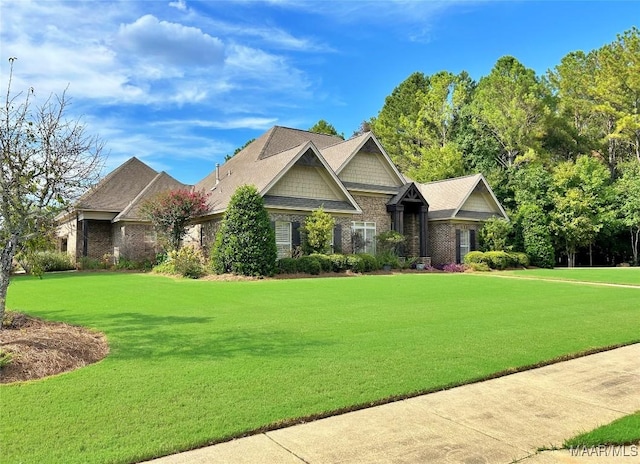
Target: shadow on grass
point(144, 336)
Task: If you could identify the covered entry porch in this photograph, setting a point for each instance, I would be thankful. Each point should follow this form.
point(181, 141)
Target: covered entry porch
point(409, 217)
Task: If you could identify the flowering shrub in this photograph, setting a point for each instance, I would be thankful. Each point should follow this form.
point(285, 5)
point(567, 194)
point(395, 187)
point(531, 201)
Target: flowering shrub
point(453, 267)
point(171, 211)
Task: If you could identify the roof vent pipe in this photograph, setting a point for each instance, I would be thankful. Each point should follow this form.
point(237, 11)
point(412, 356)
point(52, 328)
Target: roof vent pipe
point(217, 173)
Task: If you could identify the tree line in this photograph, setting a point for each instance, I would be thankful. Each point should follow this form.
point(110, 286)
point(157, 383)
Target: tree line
point(560, 150)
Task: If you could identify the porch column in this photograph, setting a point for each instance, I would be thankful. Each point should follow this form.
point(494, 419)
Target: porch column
point(85, 237)
point(424, 231)
point(398, 219)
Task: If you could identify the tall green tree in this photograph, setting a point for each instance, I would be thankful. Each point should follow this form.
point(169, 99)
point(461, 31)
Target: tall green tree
point(323, 127)
point(402, 102)
point(245, 243)
point(581, 197)
point(511, 103)
point(627, 189)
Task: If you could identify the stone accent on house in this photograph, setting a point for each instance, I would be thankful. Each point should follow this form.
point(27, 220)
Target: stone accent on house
point(368, 168)
point(135, 242)
point(306, 182)
point(442, 240)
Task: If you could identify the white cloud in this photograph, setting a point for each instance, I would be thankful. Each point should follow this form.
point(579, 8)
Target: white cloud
point(180, 5)
point(170, 43)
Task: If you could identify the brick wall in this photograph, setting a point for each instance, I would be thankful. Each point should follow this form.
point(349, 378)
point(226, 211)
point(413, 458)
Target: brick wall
point(412, 233)
point(135, 242)
point(442, 240)
point(100, 242)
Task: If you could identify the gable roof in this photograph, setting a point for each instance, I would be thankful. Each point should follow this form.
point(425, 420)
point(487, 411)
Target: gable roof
point(160, 183)
point(340, 154)
point(264, 161)
point(118, 188)
point(446, 197)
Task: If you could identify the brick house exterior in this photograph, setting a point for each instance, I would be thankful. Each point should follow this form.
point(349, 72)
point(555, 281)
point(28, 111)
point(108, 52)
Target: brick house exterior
point(296, 172)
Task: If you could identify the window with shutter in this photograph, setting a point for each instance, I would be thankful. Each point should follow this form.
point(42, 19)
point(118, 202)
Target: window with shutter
point(283, 238)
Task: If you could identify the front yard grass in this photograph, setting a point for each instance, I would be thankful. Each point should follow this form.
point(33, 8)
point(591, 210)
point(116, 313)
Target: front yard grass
point(609, 275)
point(194, 362)
point(624, 431)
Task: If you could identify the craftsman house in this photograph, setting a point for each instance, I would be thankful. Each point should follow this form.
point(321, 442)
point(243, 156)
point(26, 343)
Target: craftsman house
point(296, 172)
point(106, 220)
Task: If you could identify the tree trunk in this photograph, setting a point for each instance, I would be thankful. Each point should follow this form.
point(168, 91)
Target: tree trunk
point(635, 238)
point(6, 261)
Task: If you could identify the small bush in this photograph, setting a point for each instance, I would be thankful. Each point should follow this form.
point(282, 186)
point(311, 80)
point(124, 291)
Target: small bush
point(370, 263)
point(46, 261)
point(187, 262)
point(338, 262)
point(89, 264)
point(498, 259)
point(453, 267)
point(354, 263)
point(5, 358)
point(519, 259)
point(309, 265)
point(481, 267)
point(287, 265)
point(325, 262)
point(476, 257)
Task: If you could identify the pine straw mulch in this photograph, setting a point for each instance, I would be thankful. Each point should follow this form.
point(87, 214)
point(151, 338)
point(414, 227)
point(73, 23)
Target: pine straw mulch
point(40, 348)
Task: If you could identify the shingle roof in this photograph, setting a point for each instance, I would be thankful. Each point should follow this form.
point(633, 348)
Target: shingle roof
point(118, 188)
point(261, 164)
point(446, 197)
point(161, 183)
point(337, 154)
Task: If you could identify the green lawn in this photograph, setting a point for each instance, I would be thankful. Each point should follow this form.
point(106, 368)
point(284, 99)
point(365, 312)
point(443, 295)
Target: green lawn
point(611, 275)
point(194, 362)
point(624, 431)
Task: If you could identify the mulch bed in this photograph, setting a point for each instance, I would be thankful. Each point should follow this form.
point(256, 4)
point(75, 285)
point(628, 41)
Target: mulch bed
point(41, 348)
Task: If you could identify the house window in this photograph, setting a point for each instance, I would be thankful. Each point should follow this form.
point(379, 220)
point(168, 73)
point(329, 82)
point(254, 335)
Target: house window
point(283, 239)
point(465, 243)
point(363, 237)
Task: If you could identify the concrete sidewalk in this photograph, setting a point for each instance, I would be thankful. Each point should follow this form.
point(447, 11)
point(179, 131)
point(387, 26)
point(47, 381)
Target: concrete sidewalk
point(498, 421)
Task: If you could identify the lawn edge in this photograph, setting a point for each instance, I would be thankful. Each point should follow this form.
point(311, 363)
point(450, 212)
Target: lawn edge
point(395, 398)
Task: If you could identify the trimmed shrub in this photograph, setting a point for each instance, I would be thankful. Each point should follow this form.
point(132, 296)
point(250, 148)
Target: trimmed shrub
point(498, 259)
point(476, 257)
point(287, 265)
point(518, 259)
point(338, 262)
point(309, 265)
point(369, 262)
point(325, 262)
point(86, 263)
point(481, 267)
point(245, 243)
point(354, 263)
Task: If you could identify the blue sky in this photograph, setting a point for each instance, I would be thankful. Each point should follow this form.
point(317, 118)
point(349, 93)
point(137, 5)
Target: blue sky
point(182, 83)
